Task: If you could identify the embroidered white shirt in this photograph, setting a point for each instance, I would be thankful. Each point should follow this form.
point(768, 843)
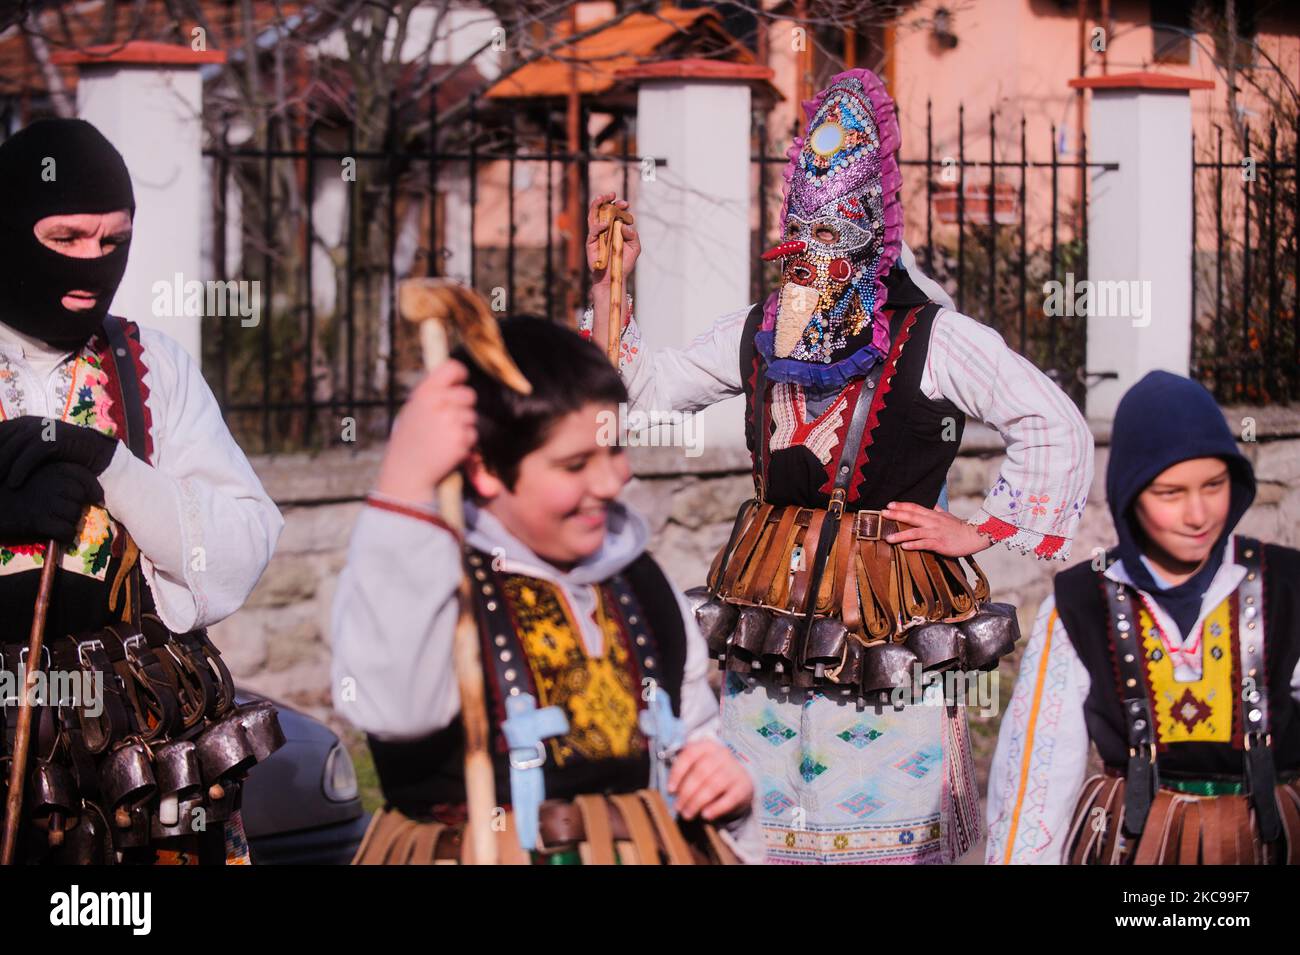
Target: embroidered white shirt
point(204, 525)
point(1039, 496)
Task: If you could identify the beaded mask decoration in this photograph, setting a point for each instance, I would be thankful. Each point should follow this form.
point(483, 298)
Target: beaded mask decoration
point(841, 227)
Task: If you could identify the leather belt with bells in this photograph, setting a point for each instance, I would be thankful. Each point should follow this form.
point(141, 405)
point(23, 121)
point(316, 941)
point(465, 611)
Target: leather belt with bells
point(843, 477)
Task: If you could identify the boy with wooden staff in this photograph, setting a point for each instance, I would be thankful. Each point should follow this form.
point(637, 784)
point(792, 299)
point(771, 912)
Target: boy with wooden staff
point(596, 674)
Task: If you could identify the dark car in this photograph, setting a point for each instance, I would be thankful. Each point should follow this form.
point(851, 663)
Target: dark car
point(301, 805)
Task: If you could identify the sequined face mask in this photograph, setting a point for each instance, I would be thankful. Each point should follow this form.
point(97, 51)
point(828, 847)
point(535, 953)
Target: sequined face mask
point(841, 228)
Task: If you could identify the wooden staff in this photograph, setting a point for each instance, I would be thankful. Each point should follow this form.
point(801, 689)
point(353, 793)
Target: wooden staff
point(23, 735)
point(609, 254)
point(447, 313)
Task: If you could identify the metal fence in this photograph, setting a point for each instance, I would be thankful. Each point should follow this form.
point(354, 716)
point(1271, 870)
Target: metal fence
point(305, 379)
point(1245, 337)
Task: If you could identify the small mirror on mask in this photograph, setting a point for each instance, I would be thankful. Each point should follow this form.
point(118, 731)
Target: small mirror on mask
point(827, 138)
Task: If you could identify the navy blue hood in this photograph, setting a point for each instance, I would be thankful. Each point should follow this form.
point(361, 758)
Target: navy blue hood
point(1162, 420)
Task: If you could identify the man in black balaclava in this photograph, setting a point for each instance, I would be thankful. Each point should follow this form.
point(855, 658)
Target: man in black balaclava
point(65, 228)
point(60, 167)
point(112, 445)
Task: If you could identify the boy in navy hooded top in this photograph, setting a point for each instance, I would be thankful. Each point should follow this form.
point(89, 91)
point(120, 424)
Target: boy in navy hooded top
point(1175, 656)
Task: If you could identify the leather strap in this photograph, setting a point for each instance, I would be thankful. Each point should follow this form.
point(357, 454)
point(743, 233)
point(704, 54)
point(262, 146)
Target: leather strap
point(1154, 844)
point(843, 474)
point(1260, 770)
point(723, 558)
point(803, 576)
point(135, 438)
point(674, 843)
point(1142, 778)
point(1082, 832)
point(1189, 839)
point(778, 590)
point(779, 542)
point(764, 544)
point(722, 851)
point(595, 825)
point(132, 402)
point(761, 425)
point(639, 827)
point(424, 845)
point(383, 834)
point(744, 553)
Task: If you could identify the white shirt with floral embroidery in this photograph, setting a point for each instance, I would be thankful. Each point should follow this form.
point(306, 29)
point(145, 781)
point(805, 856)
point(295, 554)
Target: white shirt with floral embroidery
point(205, 527)
point(1037, 501)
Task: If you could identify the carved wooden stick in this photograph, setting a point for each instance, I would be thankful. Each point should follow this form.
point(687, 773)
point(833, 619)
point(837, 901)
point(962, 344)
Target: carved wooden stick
point(447, 313)
point(23, 733)
point(609, 254)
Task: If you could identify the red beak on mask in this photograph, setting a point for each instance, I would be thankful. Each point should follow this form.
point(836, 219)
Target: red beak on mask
point(784, 248)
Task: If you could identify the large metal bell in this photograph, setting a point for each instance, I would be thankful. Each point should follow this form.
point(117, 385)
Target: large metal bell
point(779, 643)
point(751, 632)
point(716, 619)
point(224, 750)
point(937, 645)
point(825, 646)
point(887, 666)
point(87, 844)
point(126, 776)
point(988, 636)
point(176, 767)
point(261, 728)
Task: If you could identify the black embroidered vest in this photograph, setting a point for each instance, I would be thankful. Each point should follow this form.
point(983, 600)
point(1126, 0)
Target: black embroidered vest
point(1081, 604)
point(910, 440)
point(604, 750)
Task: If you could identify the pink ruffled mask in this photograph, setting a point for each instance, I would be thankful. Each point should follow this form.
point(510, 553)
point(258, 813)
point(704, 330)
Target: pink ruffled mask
point(841, 227)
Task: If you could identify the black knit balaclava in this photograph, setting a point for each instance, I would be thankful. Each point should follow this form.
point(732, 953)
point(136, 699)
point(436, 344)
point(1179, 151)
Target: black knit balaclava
point(57, 167)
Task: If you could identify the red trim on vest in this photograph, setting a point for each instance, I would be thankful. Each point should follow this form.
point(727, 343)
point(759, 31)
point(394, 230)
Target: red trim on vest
point(873, 418)
point(117, 410)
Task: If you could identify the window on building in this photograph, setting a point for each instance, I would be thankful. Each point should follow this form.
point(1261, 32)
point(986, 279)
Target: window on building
point(1171, 31)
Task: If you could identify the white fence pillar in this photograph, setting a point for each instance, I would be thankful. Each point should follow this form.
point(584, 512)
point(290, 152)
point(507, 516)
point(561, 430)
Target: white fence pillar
point(147, 98)
point(693, 214)
point(1138, 302)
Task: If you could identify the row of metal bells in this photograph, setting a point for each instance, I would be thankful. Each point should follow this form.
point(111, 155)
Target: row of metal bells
point(175, 789)
point(758, 639)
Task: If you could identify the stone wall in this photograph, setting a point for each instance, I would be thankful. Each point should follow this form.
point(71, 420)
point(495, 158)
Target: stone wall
point(278, 643)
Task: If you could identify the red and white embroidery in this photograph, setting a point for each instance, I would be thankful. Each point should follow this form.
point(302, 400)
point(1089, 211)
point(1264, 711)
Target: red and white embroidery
point(789, 412)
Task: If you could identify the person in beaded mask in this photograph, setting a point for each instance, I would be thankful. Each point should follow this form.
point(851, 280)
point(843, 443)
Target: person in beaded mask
point(845, 585)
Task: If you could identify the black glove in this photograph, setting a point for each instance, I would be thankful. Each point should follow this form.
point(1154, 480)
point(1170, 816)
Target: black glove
point(25, 443)
point(48, 505)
